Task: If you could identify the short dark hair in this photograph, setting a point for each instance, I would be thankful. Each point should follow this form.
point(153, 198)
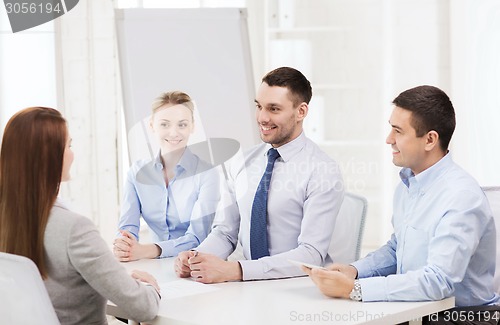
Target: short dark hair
point(431, 110)
point(297, 84)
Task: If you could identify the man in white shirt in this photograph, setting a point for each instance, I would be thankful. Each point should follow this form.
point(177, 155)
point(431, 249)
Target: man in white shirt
point(304, 195)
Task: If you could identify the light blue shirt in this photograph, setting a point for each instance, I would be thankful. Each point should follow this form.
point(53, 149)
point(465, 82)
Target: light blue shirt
point(180, 215)
point(305, 195)
point(443, 242)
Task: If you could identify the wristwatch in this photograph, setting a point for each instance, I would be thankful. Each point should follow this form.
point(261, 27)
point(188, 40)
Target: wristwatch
point(356, 292)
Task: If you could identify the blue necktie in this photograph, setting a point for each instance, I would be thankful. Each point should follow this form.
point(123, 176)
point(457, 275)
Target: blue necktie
point(258, 223)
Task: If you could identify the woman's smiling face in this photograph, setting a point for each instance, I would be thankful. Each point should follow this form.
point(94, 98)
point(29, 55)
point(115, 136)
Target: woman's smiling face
point(172, 125)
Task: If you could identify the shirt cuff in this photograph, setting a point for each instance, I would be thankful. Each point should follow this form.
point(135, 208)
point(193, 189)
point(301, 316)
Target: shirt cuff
point(251, 269)
point(165, 247)
point(374, 289)
point(131, 230)
point(364, 270)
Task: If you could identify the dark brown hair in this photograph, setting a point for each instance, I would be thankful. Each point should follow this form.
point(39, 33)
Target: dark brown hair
point(431, 110)
point(297, 84)
point(31, 162)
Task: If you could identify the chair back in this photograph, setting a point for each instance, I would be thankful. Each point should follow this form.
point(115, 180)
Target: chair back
point(345, 245)
point(23, 296)
point(493, 195)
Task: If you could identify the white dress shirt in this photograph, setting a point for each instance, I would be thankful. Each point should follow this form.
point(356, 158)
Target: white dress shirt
point(305, 195)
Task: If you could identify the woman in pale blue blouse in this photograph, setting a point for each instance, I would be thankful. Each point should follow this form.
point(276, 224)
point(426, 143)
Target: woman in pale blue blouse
point(176, 193)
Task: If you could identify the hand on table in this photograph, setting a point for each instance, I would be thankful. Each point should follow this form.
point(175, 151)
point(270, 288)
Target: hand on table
point(206, 268)
point(126, 248)
point(181, 265)
point(347, 269)
point(336, 281)
point(146, 278)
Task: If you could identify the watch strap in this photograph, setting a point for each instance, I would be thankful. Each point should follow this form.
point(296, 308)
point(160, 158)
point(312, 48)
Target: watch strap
point(356, 292)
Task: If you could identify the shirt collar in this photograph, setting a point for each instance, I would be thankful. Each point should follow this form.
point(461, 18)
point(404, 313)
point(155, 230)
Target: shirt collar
point(290, 149)
point(428, 176)
point(157, 161)
point(187, 162)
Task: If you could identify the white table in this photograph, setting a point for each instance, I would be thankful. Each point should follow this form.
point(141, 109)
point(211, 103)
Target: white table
point(284, 301)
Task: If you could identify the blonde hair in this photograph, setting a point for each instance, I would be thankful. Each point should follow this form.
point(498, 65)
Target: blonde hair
point(173, 98)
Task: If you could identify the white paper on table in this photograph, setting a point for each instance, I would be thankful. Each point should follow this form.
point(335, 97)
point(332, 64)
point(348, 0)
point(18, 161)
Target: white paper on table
point(181, 288)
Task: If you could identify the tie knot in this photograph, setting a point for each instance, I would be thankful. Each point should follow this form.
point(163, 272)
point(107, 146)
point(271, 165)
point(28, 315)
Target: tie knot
point(272, 155)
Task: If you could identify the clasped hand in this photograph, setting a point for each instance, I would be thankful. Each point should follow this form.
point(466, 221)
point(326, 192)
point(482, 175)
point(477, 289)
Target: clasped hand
point(206, 268)
point(126, 248)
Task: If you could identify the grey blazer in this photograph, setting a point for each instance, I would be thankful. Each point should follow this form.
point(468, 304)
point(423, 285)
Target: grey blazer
point(83, 274)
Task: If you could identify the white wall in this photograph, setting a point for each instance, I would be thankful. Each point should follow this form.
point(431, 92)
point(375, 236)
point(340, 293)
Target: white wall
point(359, 55)
point(475, 72)
point(381, 48)
point(70, 64)
point(27, 68)
point(89, 97)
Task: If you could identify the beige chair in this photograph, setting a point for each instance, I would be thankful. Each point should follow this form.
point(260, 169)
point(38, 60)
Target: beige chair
point(493, 195)
point(23, 297)
point(345, 245)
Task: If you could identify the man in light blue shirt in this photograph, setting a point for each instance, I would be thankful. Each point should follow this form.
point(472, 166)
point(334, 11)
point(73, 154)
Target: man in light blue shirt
point(305, 194)
point(444, 240)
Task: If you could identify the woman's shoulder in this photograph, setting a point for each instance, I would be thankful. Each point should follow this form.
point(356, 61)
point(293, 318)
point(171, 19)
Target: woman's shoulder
point(65, 219)
point(144, 169)
point(141, 163)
